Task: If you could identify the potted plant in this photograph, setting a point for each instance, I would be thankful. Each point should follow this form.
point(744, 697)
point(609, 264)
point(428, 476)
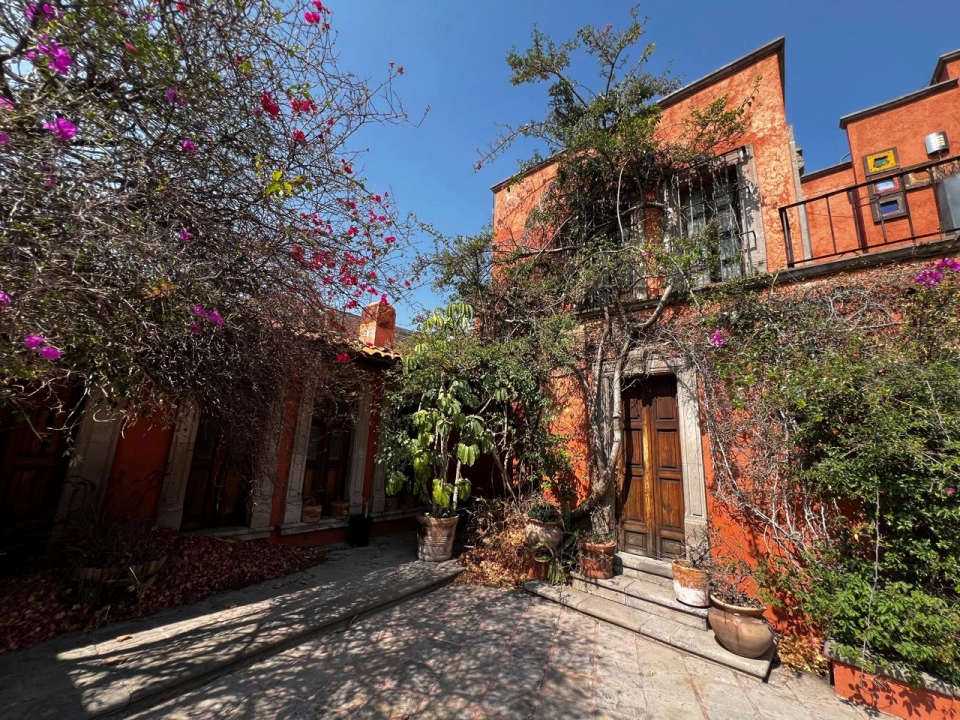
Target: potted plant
point(596, 555)
point(691, 576)
point(312, 509)
point(544, 524)
point(735, 617)
point(394, 484)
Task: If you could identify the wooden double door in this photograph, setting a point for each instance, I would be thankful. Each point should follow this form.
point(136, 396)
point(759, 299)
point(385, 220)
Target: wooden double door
point(651, 503)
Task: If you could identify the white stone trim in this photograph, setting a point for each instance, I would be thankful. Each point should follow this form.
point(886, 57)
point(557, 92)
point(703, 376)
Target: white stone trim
point(95, 446)
point(691, 442)
point(298, 455)
point(261, 494)
point(170, 512)
point(358, 449)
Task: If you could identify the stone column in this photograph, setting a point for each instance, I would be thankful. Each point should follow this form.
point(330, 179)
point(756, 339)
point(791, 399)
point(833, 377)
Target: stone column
point(358, 450)
point(298, 456)
point(261, 494)
point(87, 477)
point(170, 512)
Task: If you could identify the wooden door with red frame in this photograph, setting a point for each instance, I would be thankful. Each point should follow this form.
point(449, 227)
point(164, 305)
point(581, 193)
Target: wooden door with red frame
point(33, 466)
point(215, 495)
point(328, 455)
point(651, 510)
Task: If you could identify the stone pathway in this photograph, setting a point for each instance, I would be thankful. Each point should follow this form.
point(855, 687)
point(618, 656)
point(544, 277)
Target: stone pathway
point(89, 675)
point(467, 652)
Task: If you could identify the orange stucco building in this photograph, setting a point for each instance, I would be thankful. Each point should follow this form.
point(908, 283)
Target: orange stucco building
point(894, 203)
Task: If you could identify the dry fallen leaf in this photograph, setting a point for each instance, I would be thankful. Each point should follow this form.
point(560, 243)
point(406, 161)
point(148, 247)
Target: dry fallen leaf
point(124, 637)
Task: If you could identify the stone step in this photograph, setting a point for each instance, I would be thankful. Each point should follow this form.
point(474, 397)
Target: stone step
point(644, 568)
point(701, 643)
point(644, 595)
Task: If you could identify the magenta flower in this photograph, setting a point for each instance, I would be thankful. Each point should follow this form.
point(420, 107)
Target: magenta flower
point(719, 337)
point(189, 146)
point(4, 299)
point(45, 10)
point(951, 264)
point(185, 234)
point(195, 328)
point(62, 128)
point(215, 317)
point(174, 97)
point(951, 490)
point(198, 310)
point(4, 138)
point(6, 105)
point(32, 341)
point(58, 57)
point(50, 181)
point(50, 353)
point(928, 277)
point(312, 18)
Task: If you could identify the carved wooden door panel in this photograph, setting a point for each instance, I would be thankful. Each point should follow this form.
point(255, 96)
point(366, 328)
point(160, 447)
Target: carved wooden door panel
point(652, 499)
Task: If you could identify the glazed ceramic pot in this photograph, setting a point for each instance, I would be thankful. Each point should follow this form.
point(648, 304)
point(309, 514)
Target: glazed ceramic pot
point(435, 537)
point(691, 585)
point(741, 630)
point(596, 560)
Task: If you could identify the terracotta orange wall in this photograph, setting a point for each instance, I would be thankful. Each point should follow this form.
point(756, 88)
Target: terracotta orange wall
point(766, 131)
point(904, 128)
point(950, 70)
point(136, 475)
point(835, 211)
point(512, 203)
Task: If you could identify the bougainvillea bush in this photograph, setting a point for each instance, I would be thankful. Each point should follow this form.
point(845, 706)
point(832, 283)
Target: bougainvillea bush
point(834, 414)
point(180, 199)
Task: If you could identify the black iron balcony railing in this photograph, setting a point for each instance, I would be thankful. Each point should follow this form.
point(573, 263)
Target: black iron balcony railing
point(899, 208)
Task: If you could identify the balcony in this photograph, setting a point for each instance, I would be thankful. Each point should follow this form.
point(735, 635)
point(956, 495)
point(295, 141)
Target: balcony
point(894, 210)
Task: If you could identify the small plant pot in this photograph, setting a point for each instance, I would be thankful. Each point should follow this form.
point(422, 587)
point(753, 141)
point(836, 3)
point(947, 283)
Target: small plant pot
point(691, 585)
point(311, 513)
point(741, 630)
point(549, 533)
point(538, 570)
point(391, 504)
point(339, 509)
point(358, 532)
point(408, 502)
point(435, 537)
point(596, 561)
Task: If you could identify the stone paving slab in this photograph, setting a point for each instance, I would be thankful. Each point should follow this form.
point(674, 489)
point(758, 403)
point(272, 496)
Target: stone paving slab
point(89, 675)
point(480, 653)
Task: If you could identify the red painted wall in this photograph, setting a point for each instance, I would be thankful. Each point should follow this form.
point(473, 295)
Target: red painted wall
point(136, 475)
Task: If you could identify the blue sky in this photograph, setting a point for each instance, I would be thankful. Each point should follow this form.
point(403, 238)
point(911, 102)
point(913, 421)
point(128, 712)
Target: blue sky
point(841, 56)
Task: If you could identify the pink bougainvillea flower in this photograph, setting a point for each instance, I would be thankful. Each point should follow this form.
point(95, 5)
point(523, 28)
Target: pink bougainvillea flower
point(383, 300)
point(389, 239)
point(299, 137)
point(50, 181)
point(62, 128)
point(182, 7)
point(343, 358)
point(50, 353)
point(58, 58)
point(719, 337)
point(6, 105)
point(195, 329)
point(32, 341)
point(185, 234)
point(189, 146)
point(269, 105)
point(928, 277)
point(312, 18)
point(46, 11)
point(4, 299)
point(319, 6)
point(4, 138)
point(198, 310)
point(215, 317)
point(951, 490)
point(951, 264)
point(171, 95)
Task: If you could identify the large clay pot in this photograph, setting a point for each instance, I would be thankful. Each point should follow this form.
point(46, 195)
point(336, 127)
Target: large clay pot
point(435, 537)
point(596, 561)
point(549, 533)
point(310, 513)
point(691, 585)
point(741, 630)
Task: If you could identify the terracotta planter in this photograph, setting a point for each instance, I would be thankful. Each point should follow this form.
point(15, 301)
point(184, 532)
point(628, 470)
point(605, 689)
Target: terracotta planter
point(537, 570)
point(391, 504)
point(596, 561)
point(549, 533)
point(691, 585)
point(339, 509)
point(741, 630)
point(310, 513)
point(435, 537)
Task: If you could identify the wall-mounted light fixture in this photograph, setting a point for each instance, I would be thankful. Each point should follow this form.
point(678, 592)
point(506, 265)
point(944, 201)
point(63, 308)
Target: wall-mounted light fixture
point(936, 143)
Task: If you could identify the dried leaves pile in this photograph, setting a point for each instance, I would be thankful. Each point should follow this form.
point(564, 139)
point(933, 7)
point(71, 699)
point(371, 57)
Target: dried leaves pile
point(495, 550)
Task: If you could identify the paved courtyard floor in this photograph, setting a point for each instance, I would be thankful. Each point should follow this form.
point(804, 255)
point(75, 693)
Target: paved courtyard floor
point(467, 652)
